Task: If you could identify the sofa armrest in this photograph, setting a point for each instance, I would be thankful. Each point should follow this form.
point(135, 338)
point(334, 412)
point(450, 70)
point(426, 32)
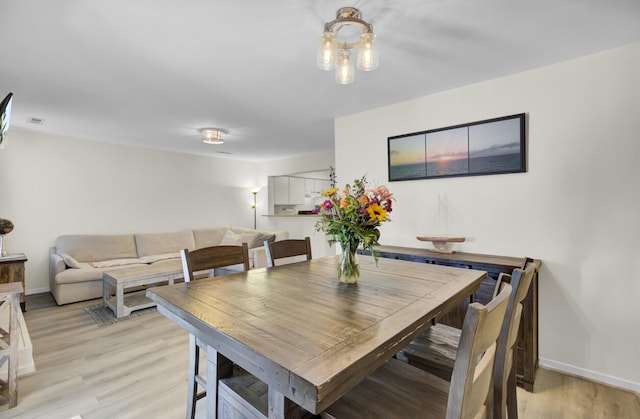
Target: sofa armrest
point(259, 257)
point(56, 264)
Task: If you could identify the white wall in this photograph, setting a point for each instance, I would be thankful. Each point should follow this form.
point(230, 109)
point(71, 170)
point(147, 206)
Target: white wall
point(577, 208)
point(52, 185)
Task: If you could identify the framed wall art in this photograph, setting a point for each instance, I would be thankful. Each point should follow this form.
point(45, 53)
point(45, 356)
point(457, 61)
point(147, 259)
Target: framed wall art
point(488, 147)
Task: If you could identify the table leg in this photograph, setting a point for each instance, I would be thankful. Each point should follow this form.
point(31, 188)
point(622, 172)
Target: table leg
point(282, 408)
point(119, 300)
point(106, 293)
point(9, 334)
point(13, 352)
point(218, 366)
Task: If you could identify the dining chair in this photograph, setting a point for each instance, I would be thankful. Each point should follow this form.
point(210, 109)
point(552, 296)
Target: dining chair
point(400, 390)
point(287, 248)
point(198, 264)
point(435, 350)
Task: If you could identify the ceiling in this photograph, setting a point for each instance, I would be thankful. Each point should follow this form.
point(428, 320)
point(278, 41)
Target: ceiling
point(149, 73)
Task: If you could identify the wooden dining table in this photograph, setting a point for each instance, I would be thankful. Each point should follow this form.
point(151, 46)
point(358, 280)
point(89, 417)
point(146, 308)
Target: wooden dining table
point(307, 336)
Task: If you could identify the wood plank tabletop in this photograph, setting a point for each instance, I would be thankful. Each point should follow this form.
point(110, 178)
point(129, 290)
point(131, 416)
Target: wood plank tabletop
point(304, 333)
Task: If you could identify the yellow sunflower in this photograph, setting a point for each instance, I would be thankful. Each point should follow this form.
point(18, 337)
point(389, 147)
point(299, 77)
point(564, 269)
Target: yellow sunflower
point(330, 192)
point(376, 212)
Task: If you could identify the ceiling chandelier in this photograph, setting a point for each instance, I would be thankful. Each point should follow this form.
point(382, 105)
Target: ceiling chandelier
point(346, 33)
point(213, 135)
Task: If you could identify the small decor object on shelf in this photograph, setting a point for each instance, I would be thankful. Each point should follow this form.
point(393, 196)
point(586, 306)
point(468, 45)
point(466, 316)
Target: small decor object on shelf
point(441, 243)
point(6, 227)
point(352, 218)
point(440, 236)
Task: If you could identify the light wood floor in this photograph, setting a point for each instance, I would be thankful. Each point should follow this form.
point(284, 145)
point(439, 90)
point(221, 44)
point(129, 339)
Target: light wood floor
point(137, 369)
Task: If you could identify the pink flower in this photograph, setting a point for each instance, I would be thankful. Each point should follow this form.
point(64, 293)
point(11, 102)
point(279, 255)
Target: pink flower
point(384, 193)
point(326, 205)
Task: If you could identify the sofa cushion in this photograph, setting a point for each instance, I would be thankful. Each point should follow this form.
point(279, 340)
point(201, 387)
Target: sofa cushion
point(90, 248)
point(71, 262)
point(207, 237)
point(156, 258)
point(71, 276)
point(161, 243)
point(258, 236)
point(115, 262)
point(233, 238)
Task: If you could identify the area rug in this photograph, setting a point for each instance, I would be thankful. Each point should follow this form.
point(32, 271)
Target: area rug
point(103, 316)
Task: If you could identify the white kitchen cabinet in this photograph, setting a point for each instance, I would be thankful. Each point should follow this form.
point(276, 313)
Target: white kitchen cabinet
point(287, 190)
point(309, 186)
point(280, 190)
point(296, 191)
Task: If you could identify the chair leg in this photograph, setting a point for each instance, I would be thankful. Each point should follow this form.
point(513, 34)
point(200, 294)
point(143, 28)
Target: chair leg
point(489, 403)
point(512, 401)
point(194, 364)
point(499, 390)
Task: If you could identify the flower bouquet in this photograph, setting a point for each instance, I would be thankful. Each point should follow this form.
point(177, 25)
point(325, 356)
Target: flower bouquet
point(351, 218)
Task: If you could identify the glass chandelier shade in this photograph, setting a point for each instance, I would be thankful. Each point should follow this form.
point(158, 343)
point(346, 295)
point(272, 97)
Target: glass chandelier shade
point(368, 52)
point(327, 51)
point(345, 73)
point(336, 46)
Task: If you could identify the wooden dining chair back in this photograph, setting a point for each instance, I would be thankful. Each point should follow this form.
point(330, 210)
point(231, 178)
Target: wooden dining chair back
point(473, 369)
point(399, 390)
point(194, 263)
point(287, 248)
point(209, 258)
point(505, 403)
point(435, 350)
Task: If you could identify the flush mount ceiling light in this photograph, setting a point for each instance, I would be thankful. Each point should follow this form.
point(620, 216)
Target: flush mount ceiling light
point(341, 36)
point(213, 135)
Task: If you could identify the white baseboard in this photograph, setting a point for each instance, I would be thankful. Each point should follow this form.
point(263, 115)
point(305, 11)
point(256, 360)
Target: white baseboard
point(588, 374)
point(36, 291)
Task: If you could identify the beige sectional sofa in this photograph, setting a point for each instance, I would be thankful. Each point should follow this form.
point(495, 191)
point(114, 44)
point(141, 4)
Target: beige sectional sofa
point(77, 262)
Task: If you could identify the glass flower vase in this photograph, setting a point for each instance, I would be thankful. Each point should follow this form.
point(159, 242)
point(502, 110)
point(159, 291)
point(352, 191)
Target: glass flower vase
point(348, 270)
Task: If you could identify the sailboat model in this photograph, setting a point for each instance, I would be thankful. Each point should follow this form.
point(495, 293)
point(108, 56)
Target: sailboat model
point(441, 241)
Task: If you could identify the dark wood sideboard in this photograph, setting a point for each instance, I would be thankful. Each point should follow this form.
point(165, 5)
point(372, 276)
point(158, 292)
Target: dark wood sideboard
point(527, 343)
point(12, 270)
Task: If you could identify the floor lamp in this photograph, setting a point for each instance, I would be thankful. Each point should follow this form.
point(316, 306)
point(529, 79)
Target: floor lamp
point(254, 191)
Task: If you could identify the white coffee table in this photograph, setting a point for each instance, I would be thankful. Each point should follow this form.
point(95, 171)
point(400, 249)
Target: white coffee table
point(122, 279)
